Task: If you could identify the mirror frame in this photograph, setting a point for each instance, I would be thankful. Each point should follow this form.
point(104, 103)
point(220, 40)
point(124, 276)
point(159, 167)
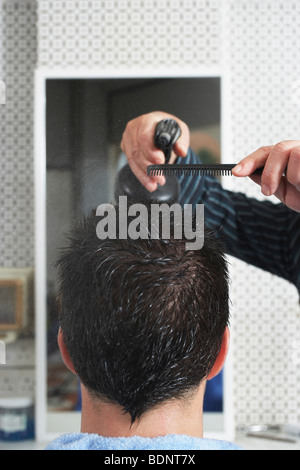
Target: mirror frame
point(41, 77)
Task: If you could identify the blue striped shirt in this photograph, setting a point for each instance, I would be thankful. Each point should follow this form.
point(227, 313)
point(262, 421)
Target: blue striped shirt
point(261, 233)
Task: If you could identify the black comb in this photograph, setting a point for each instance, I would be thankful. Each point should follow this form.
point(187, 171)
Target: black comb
point(195, 170)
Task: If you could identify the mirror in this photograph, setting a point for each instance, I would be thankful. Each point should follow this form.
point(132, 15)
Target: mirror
point(83, 120)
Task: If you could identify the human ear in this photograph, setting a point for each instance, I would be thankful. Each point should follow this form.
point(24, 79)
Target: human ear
point(219, 363)
point(64, 352)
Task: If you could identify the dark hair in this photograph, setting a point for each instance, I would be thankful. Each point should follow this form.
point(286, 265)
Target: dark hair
point(142, 320)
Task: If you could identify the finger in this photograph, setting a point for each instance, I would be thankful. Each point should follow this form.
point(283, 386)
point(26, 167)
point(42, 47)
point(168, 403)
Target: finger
point(146, 155)
point(181, 147)
point(288, 194)
point(275, 167)
point(149, 182)
point(274, 159)
point(252, 162)
point(293, 170)
point(138, 160)
point(141, 156)
point(143, 165)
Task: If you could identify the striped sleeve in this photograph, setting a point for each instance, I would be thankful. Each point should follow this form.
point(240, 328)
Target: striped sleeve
point(261, 233)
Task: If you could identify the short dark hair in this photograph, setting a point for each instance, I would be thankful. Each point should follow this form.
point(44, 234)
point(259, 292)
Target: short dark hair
point(142, 320)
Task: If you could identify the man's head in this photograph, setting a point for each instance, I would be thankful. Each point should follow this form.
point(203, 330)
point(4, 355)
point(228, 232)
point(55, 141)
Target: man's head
point(142, 320)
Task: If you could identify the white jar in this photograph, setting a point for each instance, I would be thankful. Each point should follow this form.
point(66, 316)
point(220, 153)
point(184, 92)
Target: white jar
point(16, 419)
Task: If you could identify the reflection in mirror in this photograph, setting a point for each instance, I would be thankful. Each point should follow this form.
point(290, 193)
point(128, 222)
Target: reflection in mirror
point(85, 119)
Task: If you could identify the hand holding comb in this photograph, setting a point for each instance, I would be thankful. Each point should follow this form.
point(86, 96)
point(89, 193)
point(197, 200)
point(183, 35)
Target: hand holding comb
point(166, 135)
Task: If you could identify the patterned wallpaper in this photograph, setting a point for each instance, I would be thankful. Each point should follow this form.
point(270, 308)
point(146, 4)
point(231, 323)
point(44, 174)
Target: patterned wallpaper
point(18, 60)
point(264, 57)
point(128, 33)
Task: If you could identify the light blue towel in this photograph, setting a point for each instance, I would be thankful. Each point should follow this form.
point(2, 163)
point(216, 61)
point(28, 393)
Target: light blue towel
point(81, 441)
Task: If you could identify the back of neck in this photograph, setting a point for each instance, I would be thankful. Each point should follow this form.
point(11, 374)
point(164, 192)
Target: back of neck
point(173, 417)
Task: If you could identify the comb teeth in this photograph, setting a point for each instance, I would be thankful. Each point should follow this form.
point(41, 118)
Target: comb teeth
point(190, 170)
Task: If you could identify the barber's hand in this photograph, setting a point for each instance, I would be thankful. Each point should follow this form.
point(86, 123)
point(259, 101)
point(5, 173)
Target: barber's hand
point(275, 160)
point(138, 145)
